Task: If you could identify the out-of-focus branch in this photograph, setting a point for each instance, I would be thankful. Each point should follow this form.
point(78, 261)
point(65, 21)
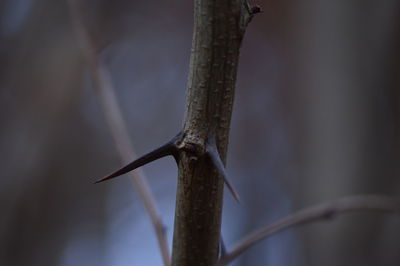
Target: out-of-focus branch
point(324, 211)
point(105, 91)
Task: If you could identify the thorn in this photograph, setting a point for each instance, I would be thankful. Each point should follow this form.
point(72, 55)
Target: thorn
point(169, 148)
point(212, 152)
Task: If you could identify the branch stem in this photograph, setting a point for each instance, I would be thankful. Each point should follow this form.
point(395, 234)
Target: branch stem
point(219, 28)
point(324, 211)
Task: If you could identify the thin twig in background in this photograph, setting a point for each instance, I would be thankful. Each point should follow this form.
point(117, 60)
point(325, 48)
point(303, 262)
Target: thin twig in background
point(324, 211)
point(105, 91)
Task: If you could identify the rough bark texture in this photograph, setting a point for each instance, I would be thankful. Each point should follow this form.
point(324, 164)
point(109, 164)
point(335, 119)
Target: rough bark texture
point(218, 30)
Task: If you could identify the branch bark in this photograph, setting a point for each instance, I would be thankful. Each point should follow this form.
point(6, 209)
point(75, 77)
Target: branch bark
point(219, 27)
point(324, 211)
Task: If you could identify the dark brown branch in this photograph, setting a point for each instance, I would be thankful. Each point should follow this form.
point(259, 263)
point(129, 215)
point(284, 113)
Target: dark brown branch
point(219, 28)
point(170, 148)
point(324, 211)
point(213, 155)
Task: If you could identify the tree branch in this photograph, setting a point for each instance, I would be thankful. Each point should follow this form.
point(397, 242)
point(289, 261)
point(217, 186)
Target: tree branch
point(324, 211)
point(105, 91)
point(219, 27)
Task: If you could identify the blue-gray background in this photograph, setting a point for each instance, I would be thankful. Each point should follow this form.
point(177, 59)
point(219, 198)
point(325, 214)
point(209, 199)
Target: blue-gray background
point(316, 117)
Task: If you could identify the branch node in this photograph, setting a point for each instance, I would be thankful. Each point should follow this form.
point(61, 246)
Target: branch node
point(193, 159)
point(254, 9)
point(251, 10)
point(322, 211)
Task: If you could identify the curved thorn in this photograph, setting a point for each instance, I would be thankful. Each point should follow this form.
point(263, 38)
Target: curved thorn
point(167, 149)
point(213, 154)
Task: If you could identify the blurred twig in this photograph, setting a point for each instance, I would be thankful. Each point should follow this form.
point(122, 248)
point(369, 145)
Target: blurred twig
point(105, 91)
point(324, 211)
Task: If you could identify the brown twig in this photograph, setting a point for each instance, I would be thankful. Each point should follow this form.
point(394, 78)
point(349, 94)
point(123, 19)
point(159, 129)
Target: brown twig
point(324, 211)
point(112, 112)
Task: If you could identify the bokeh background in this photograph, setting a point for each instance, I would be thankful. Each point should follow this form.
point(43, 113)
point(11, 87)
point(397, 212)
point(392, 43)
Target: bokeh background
point(316, 117)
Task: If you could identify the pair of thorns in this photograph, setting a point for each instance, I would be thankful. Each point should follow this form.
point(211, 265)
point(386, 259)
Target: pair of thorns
point(173, 148)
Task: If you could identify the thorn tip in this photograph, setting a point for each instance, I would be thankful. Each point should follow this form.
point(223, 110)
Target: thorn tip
point(167, 149)
point(215, 158)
